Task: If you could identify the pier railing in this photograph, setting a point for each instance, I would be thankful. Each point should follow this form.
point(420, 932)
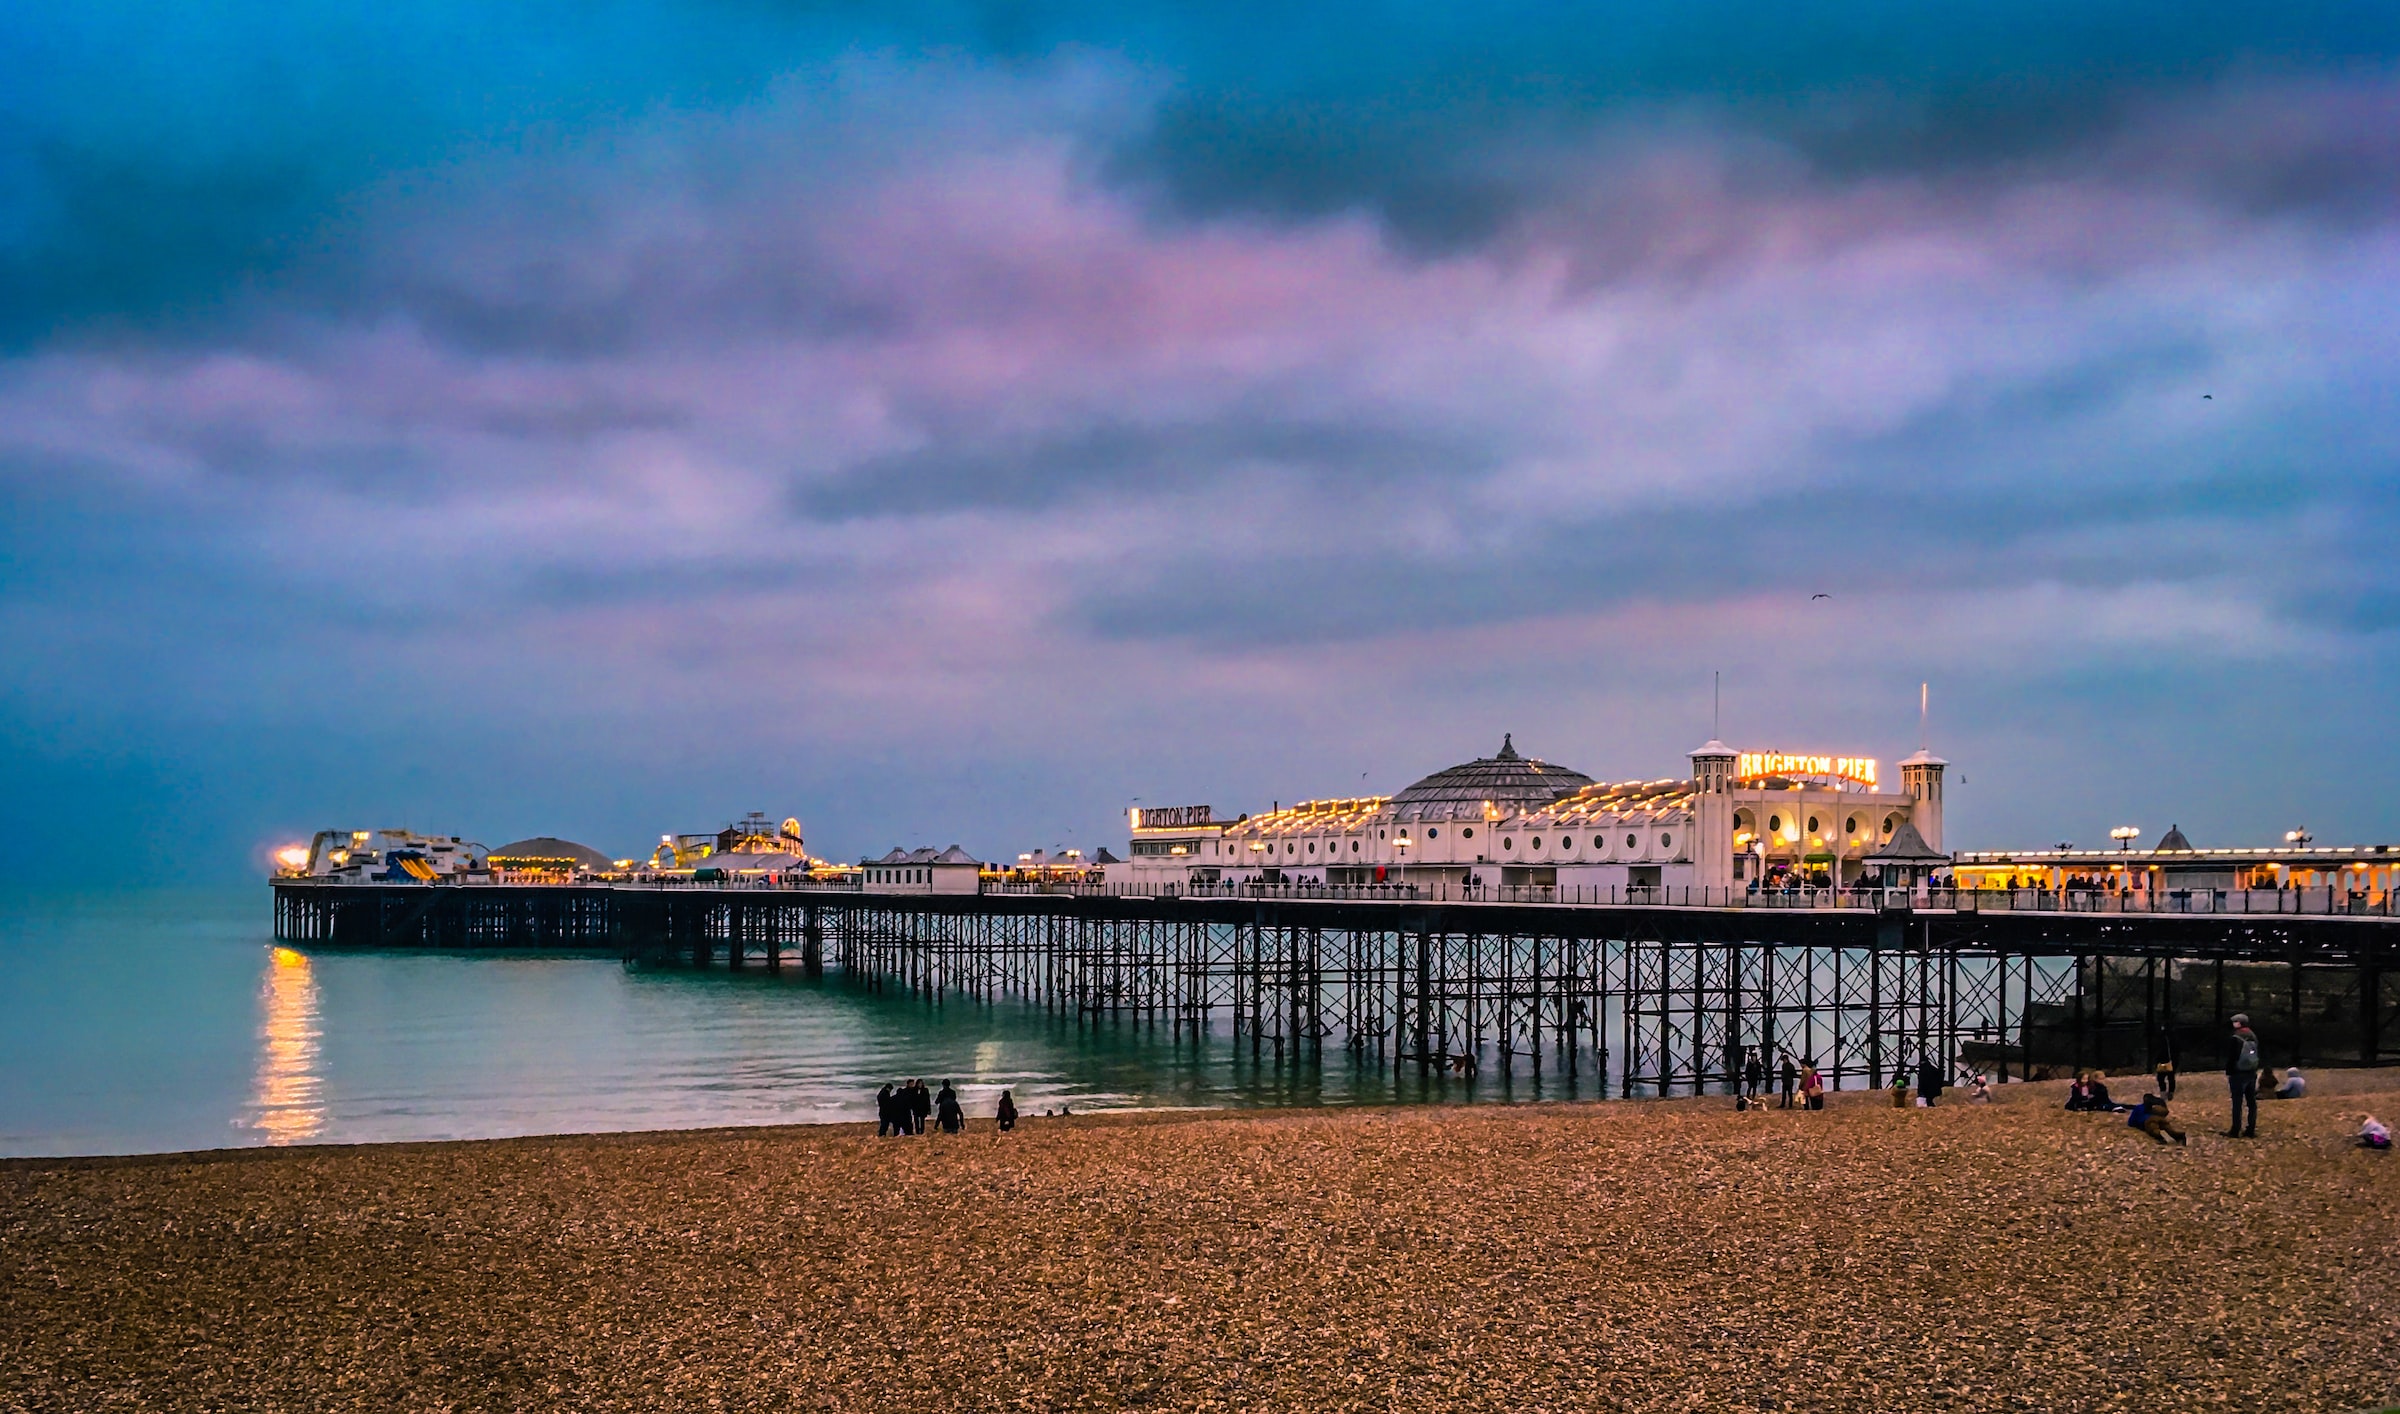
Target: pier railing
point(2318, 901)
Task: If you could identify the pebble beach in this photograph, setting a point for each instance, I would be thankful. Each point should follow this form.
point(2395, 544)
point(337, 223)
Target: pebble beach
point(1660, 1255)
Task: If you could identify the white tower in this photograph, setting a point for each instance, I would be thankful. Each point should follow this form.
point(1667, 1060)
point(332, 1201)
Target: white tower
point(1712, 815)
point(1921, 781)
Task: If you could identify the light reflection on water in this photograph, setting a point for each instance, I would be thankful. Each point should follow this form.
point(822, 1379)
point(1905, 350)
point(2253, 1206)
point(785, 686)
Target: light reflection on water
point(286, 1108)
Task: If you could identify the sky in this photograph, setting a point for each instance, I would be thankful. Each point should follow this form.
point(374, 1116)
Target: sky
point(957, 422)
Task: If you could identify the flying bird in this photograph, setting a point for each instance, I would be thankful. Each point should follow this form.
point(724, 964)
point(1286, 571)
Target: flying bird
point(2208, 397)
point(1813, 598)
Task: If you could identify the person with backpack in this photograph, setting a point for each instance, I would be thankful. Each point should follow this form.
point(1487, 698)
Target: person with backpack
point(1812, 1085)
point(2241, 1077)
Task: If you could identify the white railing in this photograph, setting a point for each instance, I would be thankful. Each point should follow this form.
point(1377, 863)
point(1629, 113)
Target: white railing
point(2320, 901)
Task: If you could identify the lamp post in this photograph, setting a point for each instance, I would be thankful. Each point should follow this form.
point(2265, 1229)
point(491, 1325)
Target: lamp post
point(2125, 835)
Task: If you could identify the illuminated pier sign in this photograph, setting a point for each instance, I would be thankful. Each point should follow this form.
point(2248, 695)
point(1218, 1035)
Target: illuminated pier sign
point(1848, 770)
point(1169, 817)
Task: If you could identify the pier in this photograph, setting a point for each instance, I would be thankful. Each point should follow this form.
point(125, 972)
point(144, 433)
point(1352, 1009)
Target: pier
point(1661, 998)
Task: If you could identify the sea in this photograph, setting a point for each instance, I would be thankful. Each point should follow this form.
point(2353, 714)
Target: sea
point(164, 1020)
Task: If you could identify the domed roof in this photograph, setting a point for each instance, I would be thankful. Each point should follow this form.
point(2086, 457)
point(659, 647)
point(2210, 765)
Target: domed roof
point(1511, 783)
point(548, 851)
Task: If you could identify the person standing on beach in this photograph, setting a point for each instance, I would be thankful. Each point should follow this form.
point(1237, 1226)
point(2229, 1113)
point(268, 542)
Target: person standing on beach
point(920, 1106)
point(1812, 1085)
point(1008, 1112)
point(946, 1112)
point(1754, 1074)
point(1929, 1080)
point(887, 1114)
point(1791, 1078)
point(2241, 1078)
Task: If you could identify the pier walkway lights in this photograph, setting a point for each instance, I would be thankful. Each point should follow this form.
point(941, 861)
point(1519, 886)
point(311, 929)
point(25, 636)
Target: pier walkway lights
point(2125, 835)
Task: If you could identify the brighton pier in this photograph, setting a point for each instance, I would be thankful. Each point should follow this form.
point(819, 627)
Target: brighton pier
point(1643, 937)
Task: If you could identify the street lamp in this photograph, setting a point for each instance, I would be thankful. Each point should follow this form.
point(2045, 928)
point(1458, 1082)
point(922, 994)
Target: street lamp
point(2298, 838)
point(2125, 835)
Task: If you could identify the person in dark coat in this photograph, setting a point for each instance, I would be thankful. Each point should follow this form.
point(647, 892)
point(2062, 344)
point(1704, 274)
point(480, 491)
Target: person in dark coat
point(920, 1106)
point(887, 1114)
point(1008, 1112)
point(2242, 1064)
point(946, 1112)
point(1791, 1079)
point(1754, 1074)
point(1929, 1080)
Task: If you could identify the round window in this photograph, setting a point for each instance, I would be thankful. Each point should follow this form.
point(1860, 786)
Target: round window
point(1850, 826)
point(1354, 846)
point(1312, 846)
point(1666, 841)
point(1290, 848)
point(1537, 841)
point(1812, 824)
point(1633, 842)
point(1433, 834)
point(1599, 843)
point(1888, 823)
point(1508, 842)
point(1468, 833)
point(1774, 824)
point(1566, 842)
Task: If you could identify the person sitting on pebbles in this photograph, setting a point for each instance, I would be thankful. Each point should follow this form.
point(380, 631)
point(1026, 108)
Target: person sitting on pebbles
point(2293, 1086)
point(2152, 1117)
point(2374, 1134)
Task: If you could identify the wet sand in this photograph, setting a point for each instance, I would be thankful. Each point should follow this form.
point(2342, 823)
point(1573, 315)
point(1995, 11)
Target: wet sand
point(1652, 1256)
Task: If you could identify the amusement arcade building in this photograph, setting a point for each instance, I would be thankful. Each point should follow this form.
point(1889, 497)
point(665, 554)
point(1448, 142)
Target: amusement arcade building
point(1739, 818)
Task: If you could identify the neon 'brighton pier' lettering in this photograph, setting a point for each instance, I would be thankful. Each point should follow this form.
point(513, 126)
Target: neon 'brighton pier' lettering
point(1853, 770)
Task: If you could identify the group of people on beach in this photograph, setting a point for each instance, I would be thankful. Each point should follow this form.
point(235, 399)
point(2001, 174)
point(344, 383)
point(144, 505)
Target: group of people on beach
point(2246, 1074)
point(901, 1110)
point(1803, 1084)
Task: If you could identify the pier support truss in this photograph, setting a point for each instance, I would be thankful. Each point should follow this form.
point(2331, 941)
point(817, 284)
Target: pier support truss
point(1648, 1000)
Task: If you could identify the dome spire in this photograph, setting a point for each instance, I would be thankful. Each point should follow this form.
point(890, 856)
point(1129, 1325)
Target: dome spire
point(1508, 747)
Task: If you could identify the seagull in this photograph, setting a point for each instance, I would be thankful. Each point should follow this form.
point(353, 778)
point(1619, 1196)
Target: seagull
point(1813, 598)
point(2208, 397)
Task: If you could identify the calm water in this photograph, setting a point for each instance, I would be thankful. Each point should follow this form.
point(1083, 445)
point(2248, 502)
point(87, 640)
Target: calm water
point(155, 1022)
